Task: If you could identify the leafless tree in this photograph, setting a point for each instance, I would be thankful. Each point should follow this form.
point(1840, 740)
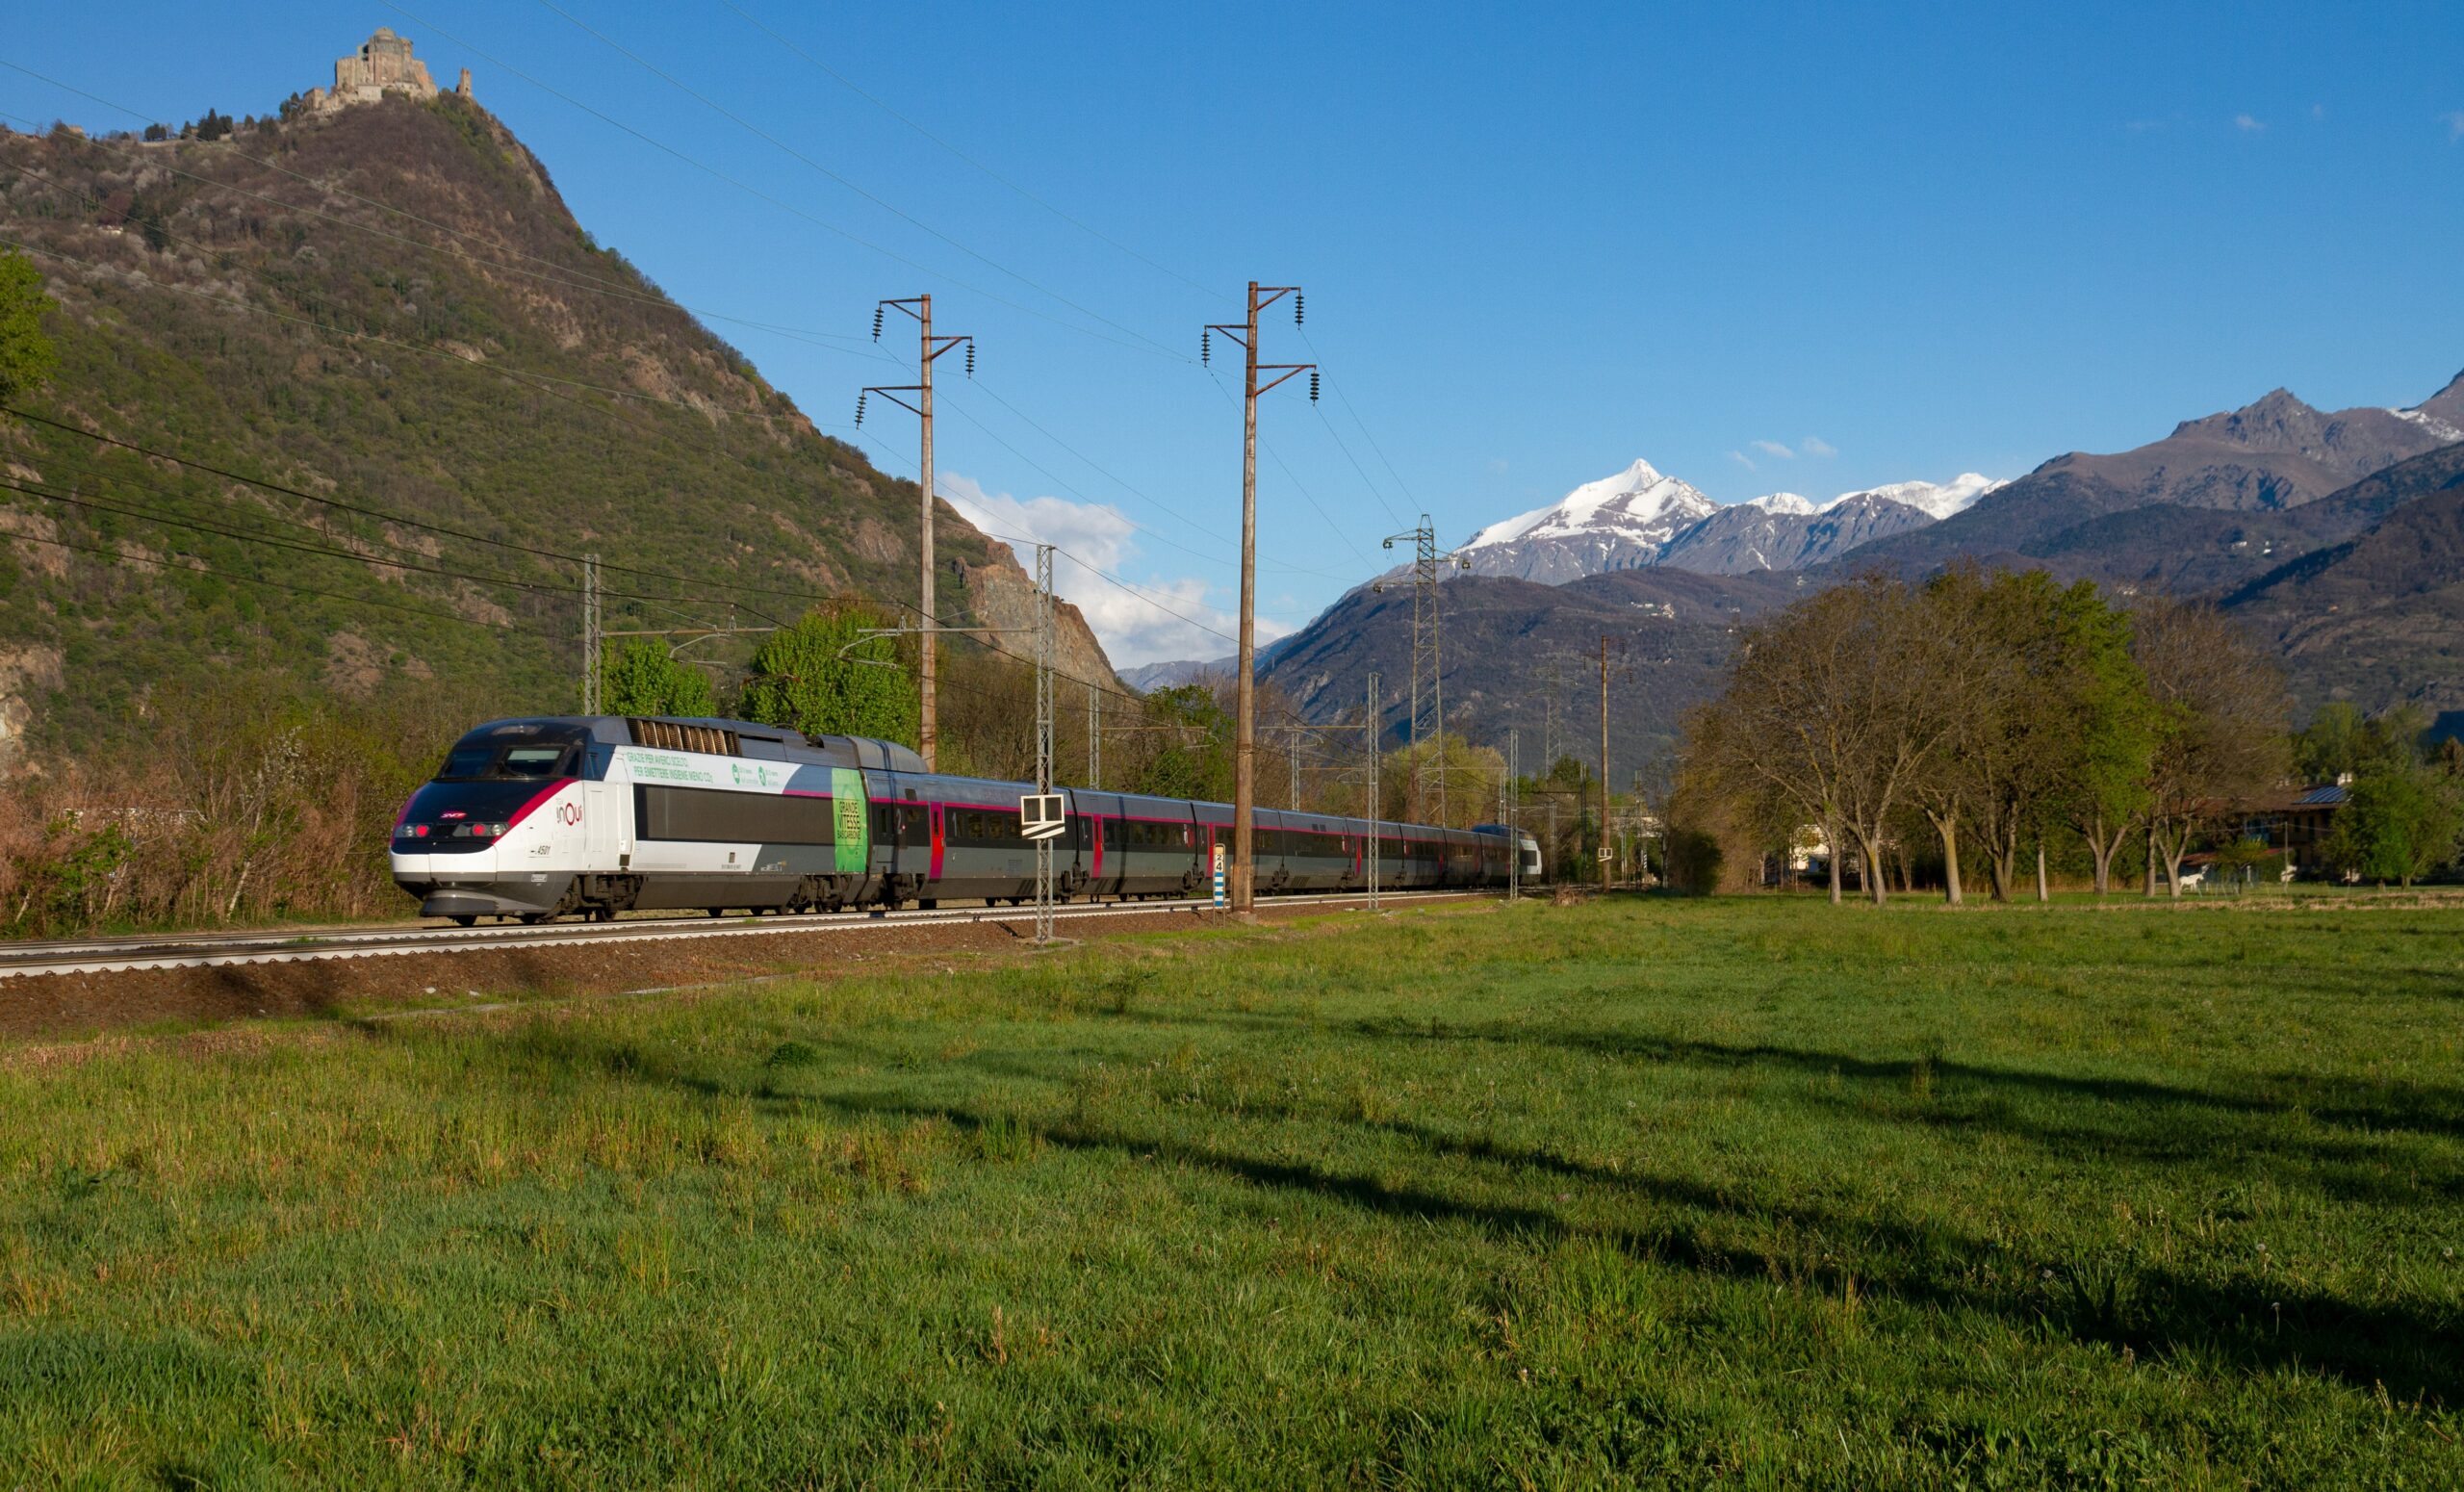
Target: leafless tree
point(2222, 738)
point(1831, 705)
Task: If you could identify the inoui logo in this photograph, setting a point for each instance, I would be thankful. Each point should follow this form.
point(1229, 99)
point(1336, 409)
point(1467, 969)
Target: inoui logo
point(569, 814)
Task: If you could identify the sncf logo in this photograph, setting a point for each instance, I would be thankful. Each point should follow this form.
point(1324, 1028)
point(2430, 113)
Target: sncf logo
point(569, 814)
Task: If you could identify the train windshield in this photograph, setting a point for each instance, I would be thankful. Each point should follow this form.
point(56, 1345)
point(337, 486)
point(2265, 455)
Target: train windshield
point(515, 752)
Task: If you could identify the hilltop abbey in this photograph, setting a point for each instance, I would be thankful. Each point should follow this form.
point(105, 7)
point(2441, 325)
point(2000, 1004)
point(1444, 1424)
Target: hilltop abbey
point(384, 65)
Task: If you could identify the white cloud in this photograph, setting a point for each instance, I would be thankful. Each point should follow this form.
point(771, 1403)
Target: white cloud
point(2455, 123)
point(1816, 446)
point(1497, 466)
point(1139, 617)
point(1743, 460)
point(2243, 122)
point(1772, 447)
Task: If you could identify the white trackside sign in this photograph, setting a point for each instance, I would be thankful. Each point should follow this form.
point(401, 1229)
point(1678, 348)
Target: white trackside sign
point(1040, 815)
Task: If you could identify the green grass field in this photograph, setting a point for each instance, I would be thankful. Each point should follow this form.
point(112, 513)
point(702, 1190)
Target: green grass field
point(1748, 1193)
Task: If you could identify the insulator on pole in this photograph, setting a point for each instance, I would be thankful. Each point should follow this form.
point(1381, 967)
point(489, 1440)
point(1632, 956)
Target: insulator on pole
point(1206, 345)
point(1298, 300)
point(1313, 385)
point(860, 407)
point(877, 323)
point(971, 357)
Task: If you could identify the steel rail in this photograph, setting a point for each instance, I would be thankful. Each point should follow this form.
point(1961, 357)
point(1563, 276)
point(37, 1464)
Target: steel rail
point(214, 950)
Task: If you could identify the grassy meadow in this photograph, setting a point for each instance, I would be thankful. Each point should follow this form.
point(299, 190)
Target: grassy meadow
point(1745, 1193)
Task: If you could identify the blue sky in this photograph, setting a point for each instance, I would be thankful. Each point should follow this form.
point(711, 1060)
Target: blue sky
point(1537, 241)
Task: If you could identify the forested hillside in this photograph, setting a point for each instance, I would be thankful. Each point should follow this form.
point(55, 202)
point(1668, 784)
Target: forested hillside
point(366, 391)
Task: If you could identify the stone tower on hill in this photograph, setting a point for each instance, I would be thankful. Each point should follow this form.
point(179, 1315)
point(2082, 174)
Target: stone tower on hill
point(384, 65)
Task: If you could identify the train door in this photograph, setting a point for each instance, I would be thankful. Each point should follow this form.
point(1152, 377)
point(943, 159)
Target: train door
point(599, 827)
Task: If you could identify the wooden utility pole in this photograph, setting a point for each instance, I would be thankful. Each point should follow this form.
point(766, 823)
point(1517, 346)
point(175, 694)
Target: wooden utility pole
point(931, 348)
point(1603, 761)
point(1244, 714)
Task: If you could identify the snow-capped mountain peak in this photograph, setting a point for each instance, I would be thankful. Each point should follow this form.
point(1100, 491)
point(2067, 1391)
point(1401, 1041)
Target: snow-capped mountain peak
point(1617, 522)
point(1787, 503)
point(1936, 500)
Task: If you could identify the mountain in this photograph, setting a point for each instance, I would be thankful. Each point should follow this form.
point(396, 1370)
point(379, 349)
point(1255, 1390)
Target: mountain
point(1785, 532)
point(2379, 616)
point(1617, 522)
point(388, 312)
point(1511, 646)
point(2272, 456)
point(1937, 500)
point(1147, 678)
point(2446, 406)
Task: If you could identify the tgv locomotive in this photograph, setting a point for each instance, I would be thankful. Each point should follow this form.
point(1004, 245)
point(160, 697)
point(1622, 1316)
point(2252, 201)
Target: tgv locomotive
point(594, 815)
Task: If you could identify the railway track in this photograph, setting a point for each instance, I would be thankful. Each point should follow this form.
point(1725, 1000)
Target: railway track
point(212, 950)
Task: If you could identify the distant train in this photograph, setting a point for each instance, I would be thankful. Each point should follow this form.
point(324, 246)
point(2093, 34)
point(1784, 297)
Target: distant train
point(594, 815)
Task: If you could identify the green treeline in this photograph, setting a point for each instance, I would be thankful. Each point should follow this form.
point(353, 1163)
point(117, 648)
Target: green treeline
point(2000, 723)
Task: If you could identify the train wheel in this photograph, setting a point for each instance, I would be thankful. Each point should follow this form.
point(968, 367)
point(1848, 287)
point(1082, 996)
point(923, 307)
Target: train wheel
point(533, 918)
point(466, 921)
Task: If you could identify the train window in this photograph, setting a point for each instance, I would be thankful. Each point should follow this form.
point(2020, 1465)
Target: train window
point(543, 752)
point(533, 760)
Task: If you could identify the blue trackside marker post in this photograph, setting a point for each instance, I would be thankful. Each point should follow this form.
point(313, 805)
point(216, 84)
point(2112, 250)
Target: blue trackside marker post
point(1218, 878)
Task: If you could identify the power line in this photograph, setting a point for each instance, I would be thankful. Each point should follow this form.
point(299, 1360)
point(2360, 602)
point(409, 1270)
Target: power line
point(1273, 455)
point(381, 515)
point(1345, 399)
point(252, 580)
point(784, 206)
point(1117, 481)
point(563, 276)
point(891, 208)
point(378, 338)
point(851, 86)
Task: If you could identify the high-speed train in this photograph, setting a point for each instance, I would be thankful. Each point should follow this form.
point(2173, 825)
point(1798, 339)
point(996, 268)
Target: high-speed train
point(593, 815)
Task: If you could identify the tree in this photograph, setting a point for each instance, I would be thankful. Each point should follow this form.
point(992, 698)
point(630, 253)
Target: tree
point(1829, 705)
point(26, 354)
point(1976, 678)
point(2104, 791)
point(824, 677)
point(645, 680)
point(2219, 713)
point(158, 132)
point(1192, 752)
point(2341, 740)
point(2402, 822)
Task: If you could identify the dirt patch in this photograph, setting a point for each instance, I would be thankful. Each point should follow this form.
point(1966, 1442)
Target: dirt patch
point(76, 1005)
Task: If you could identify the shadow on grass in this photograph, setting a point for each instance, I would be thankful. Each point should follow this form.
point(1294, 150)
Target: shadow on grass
point(2412, 1106)
point(2152, 1122)
point(2118, 1300)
